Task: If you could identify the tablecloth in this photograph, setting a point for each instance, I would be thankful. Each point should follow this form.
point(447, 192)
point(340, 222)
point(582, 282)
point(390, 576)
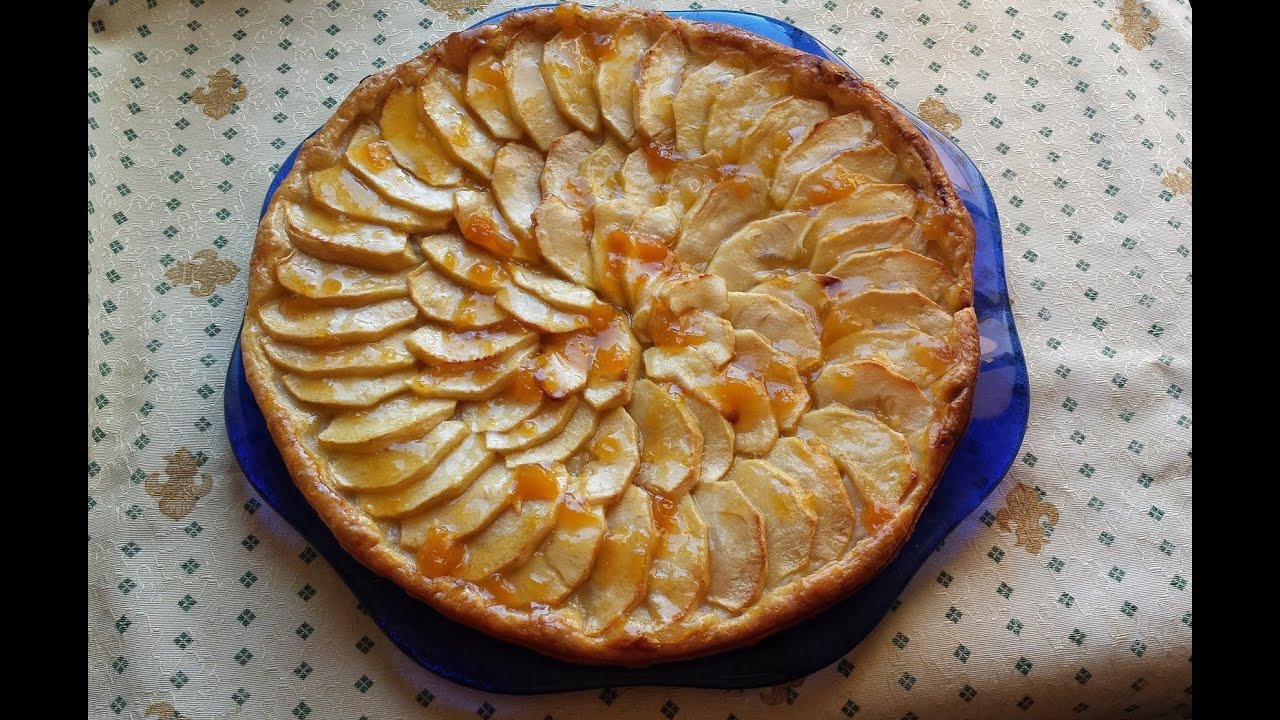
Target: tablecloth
point(1068, 592)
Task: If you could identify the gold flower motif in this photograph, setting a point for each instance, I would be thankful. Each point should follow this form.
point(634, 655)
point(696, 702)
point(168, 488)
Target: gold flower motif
point(164, 711)
point(177, 497)
point(1179, 182)
point(1021, 515)
point(205, 273)
point(777, 694)
point(936, 113)
point(1136, 23)
point(457, 9)
point(220, 94)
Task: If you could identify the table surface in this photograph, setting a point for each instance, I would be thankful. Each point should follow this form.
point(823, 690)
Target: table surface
point(1067, 592)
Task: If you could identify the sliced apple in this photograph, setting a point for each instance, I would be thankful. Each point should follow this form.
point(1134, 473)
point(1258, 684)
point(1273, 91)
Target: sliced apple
point(867, 202)
point(560, 233)
point(576, 432)
point(616, 79)
point(709, 334)
point(717, 440)
point(441, 300)
point(520, 398)
point(873, 387)
point(340, 191)
point(599, 175)
point(554, 291)
point(412, 144)
point(670, 440)
point(694, 291)
point(693, 101)
point(722, 211)
point(483, 225)
point(400, 463)
point(912, 353)
point(531, 102)
point(620, 575)
point(564, 365)
point(464, 263)
point(639, 181)
point(516, 171)
point(366, 359)
point(471, 381)
point(740, 397)
point(563, 562)
point(542, 425)
point(370, 158)
point(611, 458)
point(401, 418)
point(788, 397)
point(447, 480)
point(691, 179)
point(487, 95)
point(874, 309)
point(739, 107)
point(802, 290)
point(841, 175)
point(441, 347)
point(337, 284)
point(785, 123)
point(532, 310)
point(686, 367)
point(461, 135)
point(897, 231)
point(891, 269)
point(661, 70)
point(759, 248)
point(789, 514)
point(346, 392)
point(300, 322)
point(736, 535)
point(875, 456)
point(615, 367)
point(681, 560)
point(515, 534)
point(564, 157)
point(326, 237)
point(569, 71)
point(466, 514)
point(812, 467)
point(786, 327)
point(823, 142)
point(608, 260)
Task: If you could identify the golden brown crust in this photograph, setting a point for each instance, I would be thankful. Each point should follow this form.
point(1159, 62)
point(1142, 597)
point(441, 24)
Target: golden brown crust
point(946, 226)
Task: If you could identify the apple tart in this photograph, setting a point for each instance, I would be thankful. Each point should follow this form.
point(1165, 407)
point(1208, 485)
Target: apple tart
point(620, 337)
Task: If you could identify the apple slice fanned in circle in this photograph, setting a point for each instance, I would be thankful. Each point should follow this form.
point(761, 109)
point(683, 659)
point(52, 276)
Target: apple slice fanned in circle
point(464, 515)
point(801, 290)
point(443, 301)
point(788, 397)
point(553, 290)
point(735, 393)
point(412, 144)
point(563, 562)
point(897, 231)
point(339, 190)
point(400, 463)
point(447, 479)
point(722, 211)
point(872, 309)
point(892, 269)
point(514, 535)
point(531, 101)
point(670, 440)
point(866, 203)
point(842, 174)
point(350, 242)
point(916, 355)
point(616, 80)
point(690, 180)
point(787, 509)
point(611, 458)
point(810, 464)
point(366, 359)
point(789, 329)
point(464, 263)
point(759, 248)
point(717, 440)
point(564, 157)
point(681, 560)
point(736, 535)
point(557, 449)
point(738, 108)
point(484, 226)
point(443, 347)
point(370, 158)
point(519, 398)
point(532, 310)
point(660, 73)
point(692, 103)
point(401, 418)
point(875, 456)
point(471, 381)
point(560, 234)
point(615, 367)
point(823, 142)
point(516, 171)
point(784, 124)
point(873, 387)
point(486, 94)
point(550, 419)
point(460, 134)
point(346, 392)
point(300, 322)
point(569, 71)
point(620, 575)
point(337, 283)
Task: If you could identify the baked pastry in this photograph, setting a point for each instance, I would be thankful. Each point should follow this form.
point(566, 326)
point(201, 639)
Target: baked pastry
point(621, 337)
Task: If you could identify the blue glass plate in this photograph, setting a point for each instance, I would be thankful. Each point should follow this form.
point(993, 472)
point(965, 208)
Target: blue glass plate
point(474, 659)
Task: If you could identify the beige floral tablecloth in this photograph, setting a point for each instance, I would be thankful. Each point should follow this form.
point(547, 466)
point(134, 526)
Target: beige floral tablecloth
point(1068, 592)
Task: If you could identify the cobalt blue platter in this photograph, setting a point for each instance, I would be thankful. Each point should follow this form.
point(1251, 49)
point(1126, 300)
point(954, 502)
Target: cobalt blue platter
point(471, 658)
